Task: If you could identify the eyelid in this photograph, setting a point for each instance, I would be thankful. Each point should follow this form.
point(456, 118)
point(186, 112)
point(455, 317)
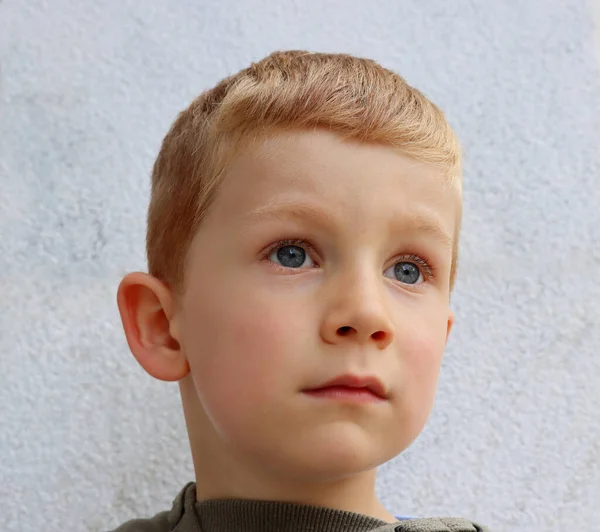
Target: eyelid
point(425, 265)
point(300, 242)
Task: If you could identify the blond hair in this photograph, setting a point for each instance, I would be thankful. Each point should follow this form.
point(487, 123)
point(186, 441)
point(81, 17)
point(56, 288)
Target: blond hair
point(357, 98)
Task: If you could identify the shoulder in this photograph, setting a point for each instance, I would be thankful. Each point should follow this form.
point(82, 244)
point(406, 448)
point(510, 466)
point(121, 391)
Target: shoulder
point(158, 523)
point(167, 521)
point(444, 524)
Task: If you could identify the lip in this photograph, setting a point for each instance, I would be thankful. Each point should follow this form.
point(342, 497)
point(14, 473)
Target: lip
point(357, 385)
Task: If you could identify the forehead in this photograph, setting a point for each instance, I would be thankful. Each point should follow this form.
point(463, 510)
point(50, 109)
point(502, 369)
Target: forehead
point(311, 171)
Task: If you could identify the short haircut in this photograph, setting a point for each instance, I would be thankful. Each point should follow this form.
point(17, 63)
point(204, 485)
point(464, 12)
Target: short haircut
point(291, 90)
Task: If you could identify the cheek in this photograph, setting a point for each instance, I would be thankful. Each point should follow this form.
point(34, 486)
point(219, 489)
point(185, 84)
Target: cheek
point(240, 344)
point(423, 339)
point(422, 357)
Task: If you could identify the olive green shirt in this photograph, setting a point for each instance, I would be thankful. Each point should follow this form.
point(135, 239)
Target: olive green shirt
point(190, 515)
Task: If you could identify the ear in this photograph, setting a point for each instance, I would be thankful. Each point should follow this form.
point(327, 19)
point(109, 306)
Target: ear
point(450, 324)
point(146, 306)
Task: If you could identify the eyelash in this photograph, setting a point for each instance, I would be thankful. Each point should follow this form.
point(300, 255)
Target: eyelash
point(290, 242)
point(424, 264)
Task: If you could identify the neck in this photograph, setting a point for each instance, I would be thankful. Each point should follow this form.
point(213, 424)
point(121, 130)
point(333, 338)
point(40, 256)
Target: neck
point(222, 474)
point(230, 480)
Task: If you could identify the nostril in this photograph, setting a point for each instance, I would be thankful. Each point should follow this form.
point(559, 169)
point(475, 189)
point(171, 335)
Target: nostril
point(344, 331)
point(378, 336)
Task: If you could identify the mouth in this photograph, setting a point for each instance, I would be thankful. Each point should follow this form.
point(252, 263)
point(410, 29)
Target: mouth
point(352, 388)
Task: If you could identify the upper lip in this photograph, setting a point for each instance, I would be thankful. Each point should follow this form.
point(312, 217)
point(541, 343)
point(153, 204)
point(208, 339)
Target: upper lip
point(370, 382)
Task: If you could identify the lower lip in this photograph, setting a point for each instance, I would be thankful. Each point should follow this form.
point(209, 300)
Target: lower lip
point(345, 393)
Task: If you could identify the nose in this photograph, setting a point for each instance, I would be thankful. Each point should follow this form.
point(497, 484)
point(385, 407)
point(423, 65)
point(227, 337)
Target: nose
point(357, 314)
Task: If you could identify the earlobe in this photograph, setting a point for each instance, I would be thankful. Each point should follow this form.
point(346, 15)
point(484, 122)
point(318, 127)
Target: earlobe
point(450, 324)
point(146, 309)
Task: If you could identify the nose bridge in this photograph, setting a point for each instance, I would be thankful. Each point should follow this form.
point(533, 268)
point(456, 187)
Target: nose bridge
point(360, 288)
point(357, 309)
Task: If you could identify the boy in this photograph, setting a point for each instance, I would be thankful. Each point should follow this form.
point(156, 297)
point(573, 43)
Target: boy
point(302, 242)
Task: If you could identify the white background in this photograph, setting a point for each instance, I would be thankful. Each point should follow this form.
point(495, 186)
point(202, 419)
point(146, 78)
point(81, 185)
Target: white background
point(87, 92)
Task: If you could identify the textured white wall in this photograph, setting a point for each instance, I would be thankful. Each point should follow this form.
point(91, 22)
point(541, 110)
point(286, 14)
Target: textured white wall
point(87, 91)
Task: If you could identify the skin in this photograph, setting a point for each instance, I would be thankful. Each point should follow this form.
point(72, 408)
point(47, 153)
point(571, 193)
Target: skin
point(248, 334)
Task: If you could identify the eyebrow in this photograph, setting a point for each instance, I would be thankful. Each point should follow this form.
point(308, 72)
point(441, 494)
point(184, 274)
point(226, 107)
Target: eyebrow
point(417, 223)
point(293, 210)
point(421, 223)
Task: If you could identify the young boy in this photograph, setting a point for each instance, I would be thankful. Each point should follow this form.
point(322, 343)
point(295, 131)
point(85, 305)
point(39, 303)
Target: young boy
point(302, 244)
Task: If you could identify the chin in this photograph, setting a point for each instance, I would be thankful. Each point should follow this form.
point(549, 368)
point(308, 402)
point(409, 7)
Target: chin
point(333, 455)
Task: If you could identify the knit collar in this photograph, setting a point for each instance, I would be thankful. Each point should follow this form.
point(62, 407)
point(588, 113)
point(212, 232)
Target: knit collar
point(236, 515)
point(267, 516)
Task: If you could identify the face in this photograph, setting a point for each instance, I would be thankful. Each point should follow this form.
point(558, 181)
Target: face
point(320, 258)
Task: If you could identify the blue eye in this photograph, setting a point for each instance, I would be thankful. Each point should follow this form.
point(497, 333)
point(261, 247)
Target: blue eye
point(405, 272)
point(291, 256)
